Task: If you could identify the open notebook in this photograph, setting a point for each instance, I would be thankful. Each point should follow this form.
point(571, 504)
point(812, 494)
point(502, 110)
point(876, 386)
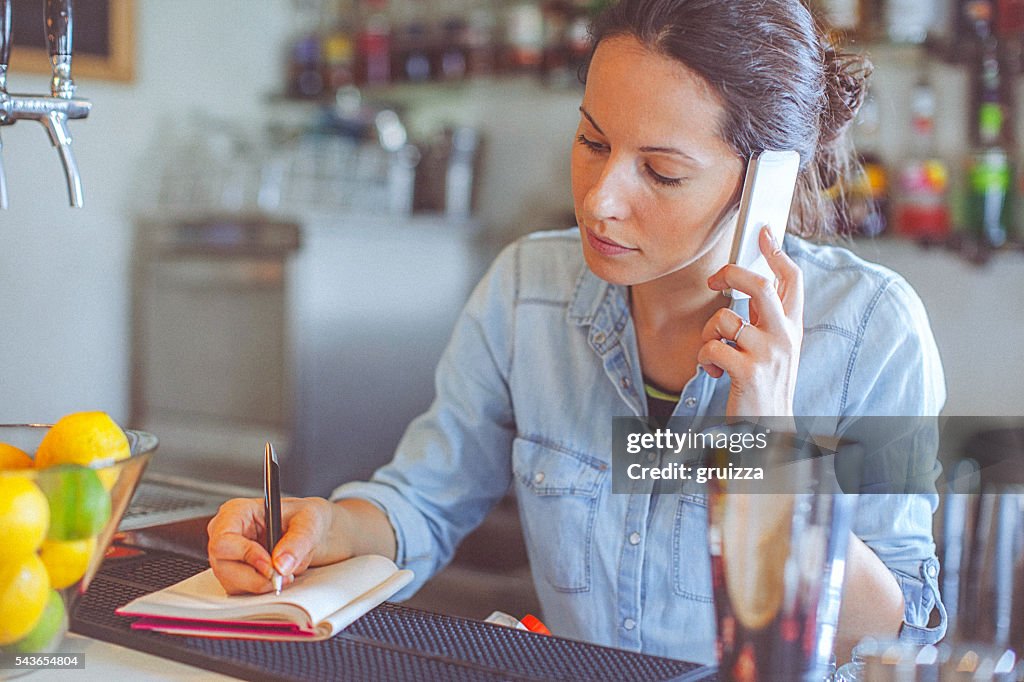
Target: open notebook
point(321, 602)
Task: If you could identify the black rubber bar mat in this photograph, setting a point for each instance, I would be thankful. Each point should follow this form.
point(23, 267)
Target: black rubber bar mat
point(391, 643)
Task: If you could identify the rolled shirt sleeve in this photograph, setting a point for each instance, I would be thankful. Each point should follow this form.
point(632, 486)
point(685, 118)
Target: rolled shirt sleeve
point(453, 463)
point(896, 375)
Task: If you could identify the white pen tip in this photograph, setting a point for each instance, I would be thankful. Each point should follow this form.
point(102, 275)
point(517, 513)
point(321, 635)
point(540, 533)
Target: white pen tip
point(277, 580)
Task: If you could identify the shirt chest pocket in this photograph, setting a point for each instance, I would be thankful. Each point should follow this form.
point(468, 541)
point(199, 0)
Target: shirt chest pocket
point(690, 551)
point(558, 494)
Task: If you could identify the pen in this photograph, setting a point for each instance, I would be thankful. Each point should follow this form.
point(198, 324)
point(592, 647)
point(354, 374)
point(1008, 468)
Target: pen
point(272, 507)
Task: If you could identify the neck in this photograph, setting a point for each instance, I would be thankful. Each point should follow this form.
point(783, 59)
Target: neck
point(682, 299)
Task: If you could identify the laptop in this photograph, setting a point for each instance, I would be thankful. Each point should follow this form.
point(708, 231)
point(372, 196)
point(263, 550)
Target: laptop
point(164, 498)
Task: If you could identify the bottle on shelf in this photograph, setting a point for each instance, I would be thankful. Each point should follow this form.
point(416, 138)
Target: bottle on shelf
point(989, 166)
point(338, 52)
point(922, 209)
point(577, 34)
point(867, 195)
point(908, 21)
point(555, 62)
point(855, 19)
point(413, 42)
point(305, 78)
point(453, 56)
point(481, 31)
point(524, 37)
point(974, 17)
point(1009, 18)
point(566, 39)
point(373, 45)
point(413, 49)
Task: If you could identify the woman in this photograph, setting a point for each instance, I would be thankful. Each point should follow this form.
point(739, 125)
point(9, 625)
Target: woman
point(567, 328)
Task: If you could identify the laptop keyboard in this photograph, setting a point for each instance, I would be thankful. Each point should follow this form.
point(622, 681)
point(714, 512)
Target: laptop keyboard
point(159, 503)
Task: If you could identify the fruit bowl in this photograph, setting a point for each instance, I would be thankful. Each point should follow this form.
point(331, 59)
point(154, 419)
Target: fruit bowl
point(58, 522)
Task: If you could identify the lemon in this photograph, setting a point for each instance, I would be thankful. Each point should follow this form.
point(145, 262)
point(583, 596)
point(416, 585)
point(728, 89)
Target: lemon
point(45, 636)
point(79, 502)
point(24, 516)
point(86, 438)
point(66, 560)
point(24, 591)
point(14, 458)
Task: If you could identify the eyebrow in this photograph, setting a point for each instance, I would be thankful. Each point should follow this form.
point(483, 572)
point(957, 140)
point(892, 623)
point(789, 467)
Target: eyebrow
point(647, 149)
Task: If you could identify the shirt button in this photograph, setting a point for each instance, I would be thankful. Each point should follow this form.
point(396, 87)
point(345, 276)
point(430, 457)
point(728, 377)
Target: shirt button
point(634, 538)
point(629, 623)
point(625, 382)
point(932, 570)
point(538, 477)
point(651, 456)
point(599, 337)
point(690, 402)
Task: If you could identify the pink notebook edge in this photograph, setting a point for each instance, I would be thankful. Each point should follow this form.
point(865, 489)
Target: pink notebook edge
point(223, 628)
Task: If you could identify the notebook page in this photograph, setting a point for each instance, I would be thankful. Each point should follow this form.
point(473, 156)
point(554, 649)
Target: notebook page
point(343, 617)
point(314, 595)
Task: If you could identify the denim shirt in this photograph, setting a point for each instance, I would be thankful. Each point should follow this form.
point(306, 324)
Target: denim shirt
point(545, 354)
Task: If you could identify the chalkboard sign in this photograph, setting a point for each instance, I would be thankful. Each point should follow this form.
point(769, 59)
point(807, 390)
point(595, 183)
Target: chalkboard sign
point(103, 39)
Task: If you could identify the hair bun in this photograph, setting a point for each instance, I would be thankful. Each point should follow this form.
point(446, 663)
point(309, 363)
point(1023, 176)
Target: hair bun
point(846, 76)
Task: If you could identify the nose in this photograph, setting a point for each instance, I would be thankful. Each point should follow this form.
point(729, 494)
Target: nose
point(607, 198)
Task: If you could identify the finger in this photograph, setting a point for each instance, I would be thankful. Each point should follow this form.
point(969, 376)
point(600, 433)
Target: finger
point(717, 357)
point(761, 290)
point(726, 324)
point(791, 277)
point(234, 533)
point(235, 547)
point(240, 578)
point(242, 516)
point(304, 528)
point(239, 563)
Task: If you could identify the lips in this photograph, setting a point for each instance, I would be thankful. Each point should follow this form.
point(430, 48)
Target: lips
point(604, 245)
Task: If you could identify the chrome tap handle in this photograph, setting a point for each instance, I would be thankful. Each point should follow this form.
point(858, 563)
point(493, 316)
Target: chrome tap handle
point(57, 126)
point(53, 113)
point(15, 107)
point(59, 38)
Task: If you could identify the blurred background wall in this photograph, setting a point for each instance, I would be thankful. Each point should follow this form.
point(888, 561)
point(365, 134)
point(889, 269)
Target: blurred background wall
point(65, 275)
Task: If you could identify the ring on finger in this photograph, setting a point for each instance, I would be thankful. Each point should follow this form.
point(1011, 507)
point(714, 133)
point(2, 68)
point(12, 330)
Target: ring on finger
point(743, 325)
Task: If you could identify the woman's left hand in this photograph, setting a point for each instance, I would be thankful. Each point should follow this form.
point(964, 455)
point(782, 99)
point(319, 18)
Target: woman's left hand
point(763, 360)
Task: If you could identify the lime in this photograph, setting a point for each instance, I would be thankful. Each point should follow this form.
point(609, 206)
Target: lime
point(79, 503)
point(66, 560)
point(14, 458)
point(86, 438)
point(24, 591)
point(45, 636)
point(24, 516)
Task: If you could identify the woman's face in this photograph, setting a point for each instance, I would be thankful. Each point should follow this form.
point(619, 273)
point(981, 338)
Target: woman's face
point(651, 178)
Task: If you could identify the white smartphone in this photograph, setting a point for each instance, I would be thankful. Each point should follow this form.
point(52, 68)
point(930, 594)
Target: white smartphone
point(766, 199)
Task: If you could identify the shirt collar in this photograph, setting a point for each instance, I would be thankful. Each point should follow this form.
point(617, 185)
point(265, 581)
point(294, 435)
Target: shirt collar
point(602, 307)
point(589, 293)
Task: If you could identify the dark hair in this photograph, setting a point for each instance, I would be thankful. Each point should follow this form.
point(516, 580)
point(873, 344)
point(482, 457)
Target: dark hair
point(782, 81)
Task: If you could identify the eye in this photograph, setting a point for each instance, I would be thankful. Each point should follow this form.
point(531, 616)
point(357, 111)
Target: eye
point(595, 147)
point(662, 180)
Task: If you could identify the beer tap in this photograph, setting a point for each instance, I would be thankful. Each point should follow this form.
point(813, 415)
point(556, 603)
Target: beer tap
point(5, 56)
point(54, 111)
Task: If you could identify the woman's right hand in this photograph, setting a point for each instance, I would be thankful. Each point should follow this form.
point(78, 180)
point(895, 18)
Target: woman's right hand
point(241, 561)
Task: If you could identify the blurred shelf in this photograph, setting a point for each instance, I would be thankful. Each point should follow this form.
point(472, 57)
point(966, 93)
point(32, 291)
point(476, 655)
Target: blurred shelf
point(404, 93)
point(954, 247)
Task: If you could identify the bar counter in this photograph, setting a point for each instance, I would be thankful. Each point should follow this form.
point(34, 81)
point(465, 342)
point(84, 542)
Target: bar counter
point(392, 642)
